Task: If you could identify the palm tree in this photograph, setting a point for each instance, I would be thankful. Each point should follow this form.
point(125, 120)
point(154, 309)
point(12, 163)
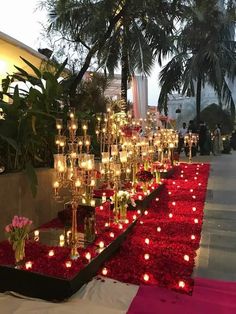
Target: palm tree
point(205, 53)
point(131, 32)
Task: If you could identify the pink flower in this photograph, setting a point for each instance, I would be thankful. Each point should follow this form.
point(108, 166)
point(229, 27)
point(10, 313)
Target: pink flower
point(8, 228)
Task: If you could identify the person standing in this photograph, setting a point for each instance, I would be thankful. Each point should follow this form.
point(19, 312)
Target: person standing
point(217, 140)
point(182, 132)
point(203, 138)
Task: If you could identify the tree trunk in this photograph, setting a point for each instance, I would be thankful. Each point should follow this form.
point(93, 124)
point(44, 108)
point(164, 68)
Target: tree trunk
point(124, 76)
point(198, 99)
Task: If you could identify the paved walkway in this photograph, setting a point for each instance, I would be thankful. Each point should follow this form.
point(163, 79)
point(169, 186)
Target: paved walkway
point(217, 254)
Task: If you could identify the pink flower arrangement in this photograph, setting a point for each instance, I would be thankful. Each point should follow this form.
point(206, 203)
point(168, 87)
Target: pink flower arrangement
point(18, 229)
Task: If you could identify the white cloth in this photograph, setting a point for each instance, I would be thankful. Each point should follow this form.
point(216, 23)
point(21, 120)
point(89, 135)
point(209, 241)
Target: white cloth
point(96, 297)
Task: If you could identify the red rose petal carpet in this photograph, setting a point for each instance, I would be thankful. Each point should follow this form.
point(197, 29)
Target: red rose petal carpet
point(162, 247)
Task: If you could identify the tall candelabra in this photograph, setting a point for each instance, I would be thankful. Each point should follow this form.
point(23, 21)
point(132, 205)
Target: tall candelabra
point(75, 170)
point(190, 140)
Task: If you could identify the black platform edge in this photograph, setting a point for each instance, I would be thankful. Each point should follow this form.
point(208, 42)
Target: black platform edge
point(48, 288)
point(36, 285)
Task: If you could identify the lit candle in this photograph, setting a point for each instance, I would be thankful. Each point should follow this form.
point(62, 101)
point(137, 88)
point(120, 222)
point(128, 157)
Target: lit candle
point(170, 215)
point(181, 284)
point(158, 229)
point(88, 256)
point(104, 199)
point(196, 221)
point(92, 203)
point(51, 253)
point(28, 265)
point(36, 233)
point(194, 209)
point(62, 237)
point(101, 245)
point(146, 256)
point(147, 241)
point(186, 258)
point(134, 217)
point(68, 264)
point(112, 235)
point(146, 212)
point(56, 185)
point(193, 237)
point(145, 277)
point(104, 271)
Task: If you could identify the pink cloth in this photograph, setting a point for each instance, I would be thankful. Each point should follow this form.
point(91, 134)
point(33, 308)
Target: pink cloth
point(209, 296)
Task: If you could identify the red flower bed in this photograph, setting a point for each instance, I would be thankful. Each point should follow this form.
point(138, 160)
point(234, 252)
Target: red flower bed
point(173, 228)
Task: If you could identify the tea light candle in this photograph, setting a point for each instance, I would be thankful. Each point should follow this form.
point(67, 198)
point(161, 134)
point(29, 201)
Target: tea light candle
point(104, 271)
point(146, 256)
point(28, 265)
point(62, 237)
point(36, 233)
point(92, 203)
point(51, 253)
point(68, 264)
point(88, 256)
point(145, 277)
point(147, 241)
point(101, 245)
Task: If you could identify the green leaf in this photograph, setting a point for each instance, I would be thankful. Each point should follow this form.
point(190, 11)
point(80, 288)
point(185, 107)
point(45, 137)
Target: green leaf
point(32, 177)
point(10, 141)
point(36, 70)
point(61, 68)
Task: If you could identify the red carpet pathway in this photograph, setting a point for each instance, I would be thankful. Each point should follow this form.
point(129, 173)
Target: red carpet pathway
point(162, 247)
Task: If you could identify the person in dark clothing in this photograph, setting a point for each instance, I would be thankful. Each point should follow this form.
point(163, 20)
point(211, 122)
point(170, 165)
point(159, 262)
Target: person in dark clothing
point(233, 140)
point(202, 138)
